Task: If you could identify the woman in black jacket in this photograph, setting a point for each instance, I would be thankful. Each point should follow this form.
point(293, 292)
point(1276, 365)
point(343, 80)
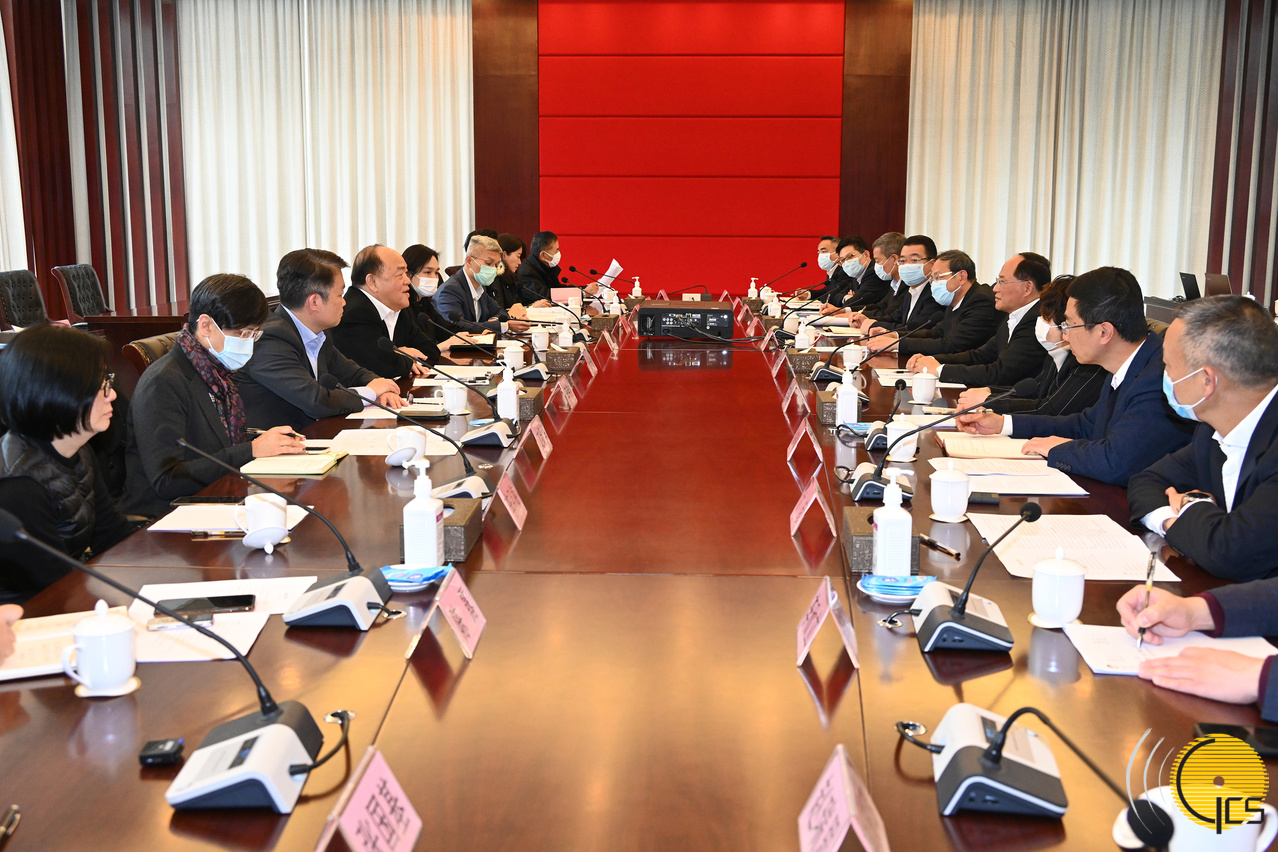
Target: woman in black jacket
point(55, 394)
point(423, 273)
point(189, 393)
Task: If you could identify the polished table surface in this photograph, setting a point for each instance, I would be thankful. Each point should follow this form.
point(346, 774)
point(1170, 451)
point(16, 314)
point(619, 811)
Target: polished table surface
point(635, 687)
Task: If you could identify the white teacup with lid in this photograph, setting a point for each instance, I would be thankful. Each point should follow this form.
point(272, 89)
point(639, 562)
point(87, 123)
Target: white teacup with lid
point(950, 492)
point(103, 657)
point(1057, 593)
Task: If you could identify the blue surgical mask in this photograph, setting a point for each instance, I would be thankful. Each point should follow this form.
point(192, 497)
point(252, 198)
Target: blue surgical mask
point(486, 275)
point(1185, 411)
point(880, 271)
point(911, 273)
point(236, 351)
point(942, 294)
point(854, 267)
point(826, 261)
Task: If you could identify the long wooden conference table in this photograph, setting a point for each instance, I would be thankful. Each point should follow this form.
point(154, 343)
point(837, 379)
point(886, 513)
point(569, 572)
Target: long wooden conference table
point(635, 687)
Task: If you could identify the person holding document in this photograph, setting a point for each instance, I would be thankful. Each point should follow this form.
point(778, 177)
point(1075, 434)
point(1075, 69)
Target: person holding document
point(1131, 424)
point(1216, 500)
point(9, 615)
point(190, 393)
point(1248, 609)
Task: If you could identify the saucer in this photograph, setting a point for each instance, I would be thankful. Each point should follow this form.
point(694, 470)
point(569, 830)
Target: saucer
point(918, 402)
point(402, 578)
point(960, 519)
point(128, 686)
point(891, 600)
point(401, 457)
point(1035, 620)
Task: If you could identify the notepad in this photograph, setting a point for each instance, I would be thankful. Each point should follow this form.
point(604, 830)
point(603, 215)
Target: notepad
point(964, 446)
point(213, 518)
point(38, 650)
point(1109, 650)
point(1030, 477)
point(310, 464)
point(1106, 550)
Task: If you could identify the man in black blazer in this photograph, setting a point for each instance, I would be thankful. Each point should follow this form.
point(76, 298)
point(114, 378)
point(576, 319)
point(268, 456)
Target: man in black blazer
point(828, 261)
point(540, 271)
point(1013, 353)
point(1131, 425)
point(880, 283)
point(281, 383)
point(912, 305)
point(377, 306)
point(1216, 500)
point(968, 320)
point(855, 263)
point(463, 300)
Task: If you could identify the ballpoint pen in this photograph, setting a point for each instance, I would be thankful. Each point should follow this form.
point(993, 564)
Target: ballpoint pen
point(1149, 587)
point(9, 823)
point(936, 545)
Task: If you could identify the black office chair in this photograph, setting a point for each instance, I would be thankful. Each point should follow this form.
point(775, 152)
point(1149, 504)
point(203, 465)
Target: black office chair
point(21, 300)
point(81, 291)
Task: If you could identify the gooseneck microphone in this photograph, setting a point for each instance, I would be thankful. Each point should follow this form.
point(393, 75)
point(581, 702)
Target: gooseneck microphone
point(703, 288)
point(802, 265)
point(353, 599)
point(290, 739)
point(941, 616)
point(534, 369)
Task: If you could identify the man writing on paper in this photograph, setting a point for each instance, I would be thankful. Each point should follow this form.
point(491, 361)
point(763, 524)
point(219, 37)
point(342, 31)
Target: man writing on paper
point(1216, 500)
point(1247, 609)
point(1013, 353)
point(281, 384)
point(375, 308)
point(464, 300)
point(1131, 425)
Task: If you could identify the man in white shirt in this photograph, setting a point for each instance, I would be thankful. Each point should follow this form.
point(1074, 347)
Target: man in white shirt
point(1216, 500)
point(377, 307)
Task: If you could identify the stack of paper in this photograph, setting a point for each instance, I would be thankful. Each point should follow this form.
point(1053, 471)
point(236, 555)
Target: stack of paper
point(888, 378)
point(1110, 650)
point(38, 650)
point(373, 442)
point(208, 517)
point(1101, 546)
point(416, 410)
point(964, 446)
point(1006, 476)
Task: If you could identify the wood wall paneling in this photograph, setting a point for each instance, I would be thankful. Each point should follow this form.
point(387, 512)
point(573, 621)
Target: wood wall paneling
point(173, 113)
point(876, 126)
point(92, 155)
point(150, 98)
point(504, 55)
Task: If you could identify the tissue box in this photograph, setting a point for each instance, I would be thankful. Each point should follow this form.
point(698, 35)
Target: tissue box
point(531, 402)
point(461, 528)
point(827, 407)
point(630, 301)
point(801, 362)
point(600, 324)
point(562, 362)
point(755, 305)
point(770, 323)
point(858, 541)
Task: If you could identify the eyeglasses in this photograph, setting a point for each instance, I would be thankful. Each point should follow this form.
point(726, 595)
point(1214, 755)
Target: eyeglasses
point(108, 383)
point(253, 334)
point(1062, 327)
point(1000, 282)
point(941, 276)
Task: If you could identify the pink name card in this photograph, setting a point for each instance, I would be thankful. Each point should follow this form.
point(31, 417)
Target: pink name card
point(569, 395)
point(661, 294)
point(840, 801)
point(612, 344)
point(590, 363)
point(461, 612)
point(513, 502)
point(378, 816)
point(539, 435)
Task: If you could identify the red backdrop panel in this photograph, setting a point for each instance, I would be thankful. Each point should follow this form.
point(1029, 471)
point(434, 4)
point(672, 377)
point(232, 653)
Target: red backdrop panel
point(697, 136)
point(620, 29)
point(613, 147)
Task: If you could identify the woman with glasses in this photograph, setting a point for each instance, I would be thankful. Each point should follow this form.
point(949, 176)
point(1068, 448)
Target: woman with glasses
point(55, 394)
point(190, 393)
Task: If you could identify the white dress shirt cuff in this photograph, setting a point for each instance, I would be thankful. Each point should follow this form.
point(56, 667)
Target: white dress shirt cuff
point(1007, 426)
point(1154, 520)
point(366, 393)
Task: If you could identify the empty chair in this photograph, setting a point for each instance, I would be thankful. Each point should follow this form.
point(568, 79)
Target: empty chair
point(21, 300)
point(81, 291)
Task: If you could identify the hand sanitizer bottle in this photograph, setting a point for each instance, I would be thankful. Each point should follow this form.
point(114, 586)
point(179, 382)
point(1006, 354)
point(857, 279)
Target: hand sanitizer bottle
point(803, 339)
point(565, 336)
point(753, 292)
point(508, 397)
point(893, 534)
point(637, 292)
point(423, 523)
point(848, 402)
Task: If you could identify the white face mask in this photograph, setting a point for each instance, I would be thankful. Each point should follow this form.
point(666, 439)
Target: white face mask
point(425, 287)
point(1041, 328)
point(555, 258)
point(826, 260)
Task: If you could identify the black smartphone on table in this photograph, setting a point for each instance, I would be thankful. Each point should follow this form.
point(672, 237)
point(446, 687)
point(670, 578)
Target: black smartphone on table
point(212, 604)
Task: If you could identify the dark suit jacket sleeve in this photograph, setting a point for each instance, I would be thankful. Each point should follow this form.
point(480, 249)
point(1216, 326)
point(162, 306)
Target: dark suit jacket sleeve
point(449, 299)
point(165, 408)
point(409, 333)
point(357, 334)
point(1020, 359)
point(281, 367)
point(973, 323)
point(1249, 609)
point(1147, 490)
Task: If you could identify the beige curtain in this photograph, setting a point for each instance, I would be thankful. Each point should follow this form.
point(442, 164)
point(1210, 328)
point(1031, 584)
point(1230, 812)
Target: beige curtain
point(1081, 129)
point(324, 123)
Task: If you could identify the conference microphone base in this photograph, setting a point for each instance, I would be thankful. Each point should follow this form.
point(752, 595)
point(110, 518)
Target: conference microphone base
point(473, 487)
point(822, 373)
point(1026, 781)
point(876, 438)
point(867, 486)
point(535, 372)
point(498, 434)
point(346, 600)
point(981, 628)
point(245, 763)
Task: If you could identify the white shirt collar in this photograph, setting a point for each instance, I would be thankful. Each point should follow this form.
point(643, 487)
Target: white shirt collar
point(382, 310)
point(1122, 371)
point(1240, 436)
point(1014, 318)
point(476, 289)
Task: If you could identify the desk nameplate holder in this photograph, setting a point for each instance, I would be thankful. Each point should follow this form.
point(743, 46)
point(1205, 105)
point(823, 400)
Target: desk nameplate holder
point(776, 362)
point(566, 392)
point(824, 602)
point(725, 297)
point(510, 498)
point(754, 328)
point(796, 393)
point(767, 338)
point(589, 361)
point(612, 344)
point(454, 605)
point(812, 493)
point(798, 436)
point(840, 801)
point(373, 813)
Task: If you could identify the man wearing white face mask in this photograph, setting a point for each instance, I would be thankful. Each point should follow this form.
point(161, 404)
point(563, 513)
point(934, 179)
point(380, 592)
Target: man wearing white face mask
point(188, 393)
point(1216, 500)
point(828, 261)
point(1064, 386)
point(540, 272)
point(876, 284)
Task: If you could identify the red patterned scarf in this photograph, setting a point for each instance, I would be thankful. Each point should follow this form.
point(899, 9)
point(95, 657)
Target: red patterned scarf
point(222, 390)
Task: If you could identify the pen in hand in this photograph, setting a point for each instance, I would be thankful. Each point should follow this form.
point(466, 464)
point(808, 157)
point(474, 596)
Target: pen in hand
point(1149, 588)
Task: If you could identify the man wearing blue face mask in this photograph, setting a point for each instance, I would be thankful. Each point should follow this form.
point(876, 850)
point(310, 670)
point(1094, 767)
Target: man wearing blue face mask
point(876, 284)
point(854, 266)
point(912, 305)
point(1216, 500)
point(463, 299)
point(188, 393)
point(828, 261)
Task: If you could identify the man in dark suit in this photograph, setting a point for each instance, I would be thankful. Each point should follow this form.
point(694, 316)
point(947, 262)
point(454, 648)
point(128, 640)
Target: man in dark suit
point(1131, 425)
point(376, 307)
point(828, 261)
point(1013, 352)
point(855, 264)
point(541, 272)
point(968, 320)
point(878, 284)
point(281, 384)
point(912, 306)
point(1216, 500)
point(463, 300)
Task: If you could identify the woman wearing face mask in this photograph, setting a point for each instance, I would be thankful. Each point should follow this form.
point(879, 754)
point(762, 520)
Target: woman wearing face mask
point(190, 393)
point(423, 273)
point(1064, 385)
point(55, 394)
